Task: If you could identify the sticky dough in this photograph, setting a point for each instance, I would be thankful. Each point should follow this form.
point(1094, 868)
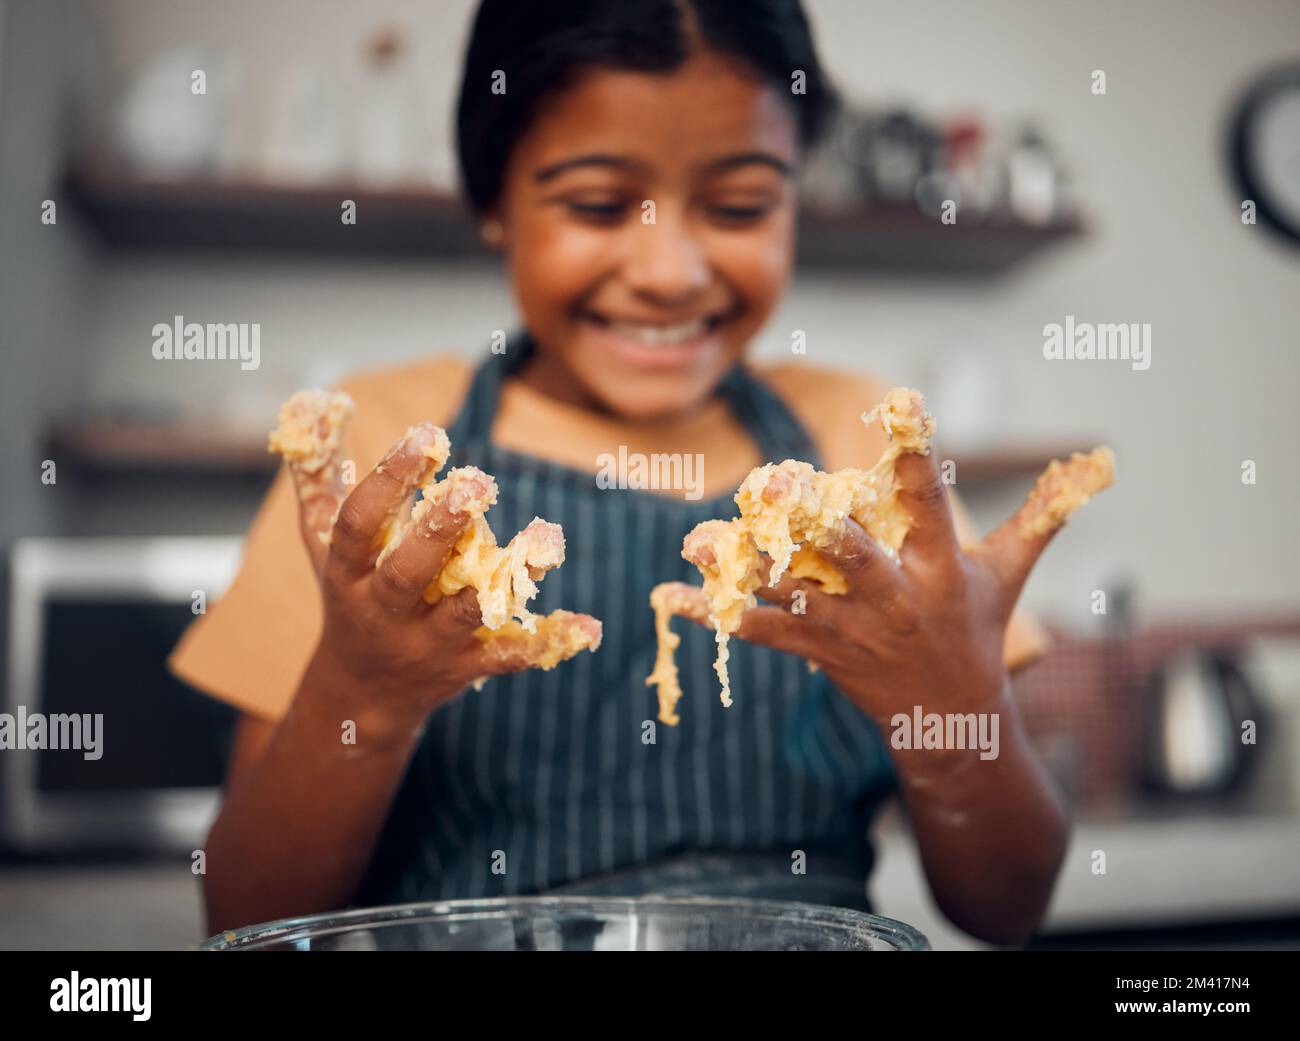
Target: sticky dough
point(1063, 487)
point(504, 578)
point(791, 513)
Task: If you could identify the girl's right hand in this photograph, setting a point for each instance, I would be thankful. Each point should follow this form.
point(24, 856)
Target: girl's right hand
point(402, 654)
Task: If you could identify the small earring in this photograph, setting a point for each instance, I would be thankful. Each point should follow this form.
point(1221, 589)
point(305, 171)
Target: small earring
point(492, 232)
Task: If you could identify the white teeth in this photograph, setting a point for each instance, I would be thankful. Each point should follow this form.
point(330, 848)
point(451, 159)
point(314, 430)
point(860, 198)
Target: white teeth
point(655, 335)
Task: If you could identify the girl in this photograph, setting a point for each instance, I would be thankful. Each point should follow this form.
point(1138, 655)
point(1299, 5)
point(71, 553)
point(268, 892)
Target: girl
point(573, 118)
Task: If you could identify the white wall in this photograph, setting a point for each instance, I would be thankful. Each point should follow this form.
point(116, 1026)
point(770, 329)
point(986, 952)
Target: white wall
point(1168, 249)
point(1223, 299)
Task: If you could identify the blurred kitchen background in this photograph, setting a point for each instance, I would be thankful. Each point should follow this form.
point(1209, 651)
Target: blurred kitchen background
point(1122, 206)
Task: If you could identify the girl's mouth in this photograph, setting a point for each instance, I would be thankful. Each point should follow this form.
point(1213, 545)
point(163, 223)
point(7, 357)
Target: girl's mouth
point(655, 344)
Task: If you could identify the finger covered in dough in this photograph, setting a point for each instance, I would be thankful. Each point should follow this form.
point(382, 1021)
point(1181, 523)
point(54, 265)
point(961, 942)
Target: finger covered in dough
point(1065, 486)
point(554, 638)
point(309, 429)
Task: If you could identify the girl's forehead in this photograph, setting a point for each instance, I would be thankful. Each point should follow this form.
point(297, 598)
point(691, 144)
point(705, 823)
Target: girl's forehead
point(707, 106)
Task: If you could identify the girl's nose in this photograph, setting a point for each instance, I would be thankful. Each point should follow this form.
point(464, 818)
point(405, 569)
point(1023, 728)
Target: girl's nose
point(665, 260)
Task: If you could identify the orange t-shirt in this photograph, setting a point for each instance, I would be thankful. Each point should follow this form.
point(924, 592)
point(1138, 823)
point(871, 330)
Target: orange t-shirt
point(253, 645)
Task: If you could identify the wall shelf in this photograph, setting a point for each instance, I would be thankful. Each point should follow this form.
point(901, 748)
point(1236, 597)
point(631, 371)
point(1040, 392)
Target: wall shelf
point(114, 448)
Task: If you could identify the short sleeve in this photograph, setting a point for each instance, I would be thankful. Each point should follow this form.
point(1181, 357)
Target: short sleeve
point(250, 649)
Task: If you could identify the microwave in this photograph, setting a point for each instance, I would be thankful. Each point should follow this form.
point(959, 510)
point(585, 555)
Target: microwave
point(105, 748)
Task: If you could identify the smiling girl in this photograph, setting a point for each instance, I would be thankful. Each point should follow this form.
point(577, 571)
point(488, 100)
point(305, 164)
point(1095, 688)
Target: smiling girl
point(634, 161)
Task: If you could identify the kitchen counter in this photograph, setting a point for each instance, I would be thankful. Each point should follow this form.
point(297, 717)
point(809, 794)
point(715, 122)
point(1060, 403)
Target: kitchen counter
point(149, 905)
point(1161, 870)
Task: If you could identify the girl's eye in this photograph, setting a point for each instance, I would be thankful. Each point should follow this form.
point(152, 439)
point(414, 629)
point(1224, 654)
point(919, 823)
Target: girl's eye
point(598, 211)
point(740, 214)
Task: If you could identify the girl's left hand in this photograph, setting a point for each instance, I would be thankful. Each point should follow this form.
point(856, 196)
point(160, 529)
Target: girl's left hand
point(927, 631)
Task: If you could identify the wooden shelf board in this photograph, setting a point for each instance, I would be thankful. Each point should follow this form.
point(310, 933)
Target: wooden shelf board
point(110, 447)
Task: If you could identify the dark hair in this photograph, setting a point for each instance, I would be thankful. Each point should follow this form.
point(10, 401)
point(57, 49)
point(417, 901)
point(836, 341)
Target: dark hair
point(543, 46)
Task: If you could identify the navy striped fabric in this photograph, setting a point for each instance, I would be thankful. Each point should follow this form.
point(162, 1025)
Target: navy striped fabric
point(546, 774)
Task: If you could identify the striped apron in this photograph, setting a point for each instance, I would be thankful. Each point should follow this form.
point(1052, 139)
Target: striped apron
point(545, 781)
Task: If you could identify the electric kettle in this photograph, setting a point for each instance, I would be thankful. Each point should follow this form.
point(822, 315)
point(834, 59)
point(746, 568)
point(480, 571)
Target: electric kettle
point(1203, 717)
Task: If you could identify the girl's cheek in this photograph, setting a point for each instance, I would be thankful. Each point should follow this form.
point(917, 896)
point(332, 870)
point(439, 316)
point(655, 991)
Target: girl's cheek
point(758, 267)
point(564, 254)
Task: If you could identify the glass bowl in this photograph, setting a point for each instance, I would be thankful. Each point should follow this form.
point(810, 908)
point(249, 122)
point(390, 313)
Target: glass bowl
point(573, 923)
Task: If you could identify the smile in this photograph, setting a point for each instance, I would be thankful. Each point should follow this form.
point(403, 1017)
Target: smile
point(657, 334)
